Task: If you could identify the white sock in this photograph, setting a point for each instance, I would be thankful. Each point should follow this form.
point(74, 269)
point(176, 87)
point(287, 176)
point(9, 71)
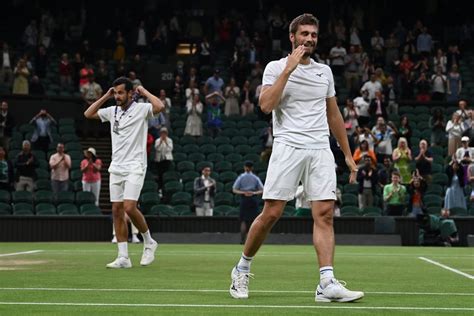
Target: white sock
point(122, 249)
point(244, 263)
point(147, 238)
point(325, 275)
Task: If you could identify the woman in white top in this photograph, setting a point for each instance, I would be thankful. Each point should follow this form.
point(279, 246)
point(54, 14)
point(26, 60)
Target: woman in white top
point(232, 95)
point(454, 128)
point(194, 121)
point(190, 92)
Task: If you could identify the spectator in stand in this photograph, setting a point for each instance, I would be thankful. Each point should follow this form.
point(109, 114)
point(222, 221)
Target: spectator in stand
point(133, 78)
point(422, 65)
point(204, 192)
point(167, 103)
point(204, 52)
point(465, 156)
point(390, 93)
point(404, 130)
point(416, 192)
point(378, 45)
point(438, 83)
point(384, 135)
point(21, 73)
point(7, 122)
point(385, 172)
point(455, 193)
point(423, 88)
point(402, 157)
point(41, 62)
point(42, 133)
point(465, 114)
point(84, 74)
point(371, 86)
point(405, 64)
point(242, 43)
point(424, 43)
point(36, 87)
point(65, 71)
point(337, 55)
point(214, 120)
point(76, 66)
point(60, 164)
point(352, 63)
point(248, 186)
point(25, 165)
point(119, 51)
point(6, 72)
point(378, 106)
point(137, 65)
point(141, 38)
point(380, 76)
point(407, 85)
point(102, 75)
point(440, 60)
point(178, 90)
point(454, 86)
point(394, 196)
point(438, 129)
point(163, 155)
point(246, 99)
point(470, 176)
point(364, 133)
point(267, 143)
point(455, 129)
point(424, 161)
point(6, 171)
point(194, 121)
point(191, 92)
point(350, 115)
point(214, 83)
point(361, 152)
point(155, 124)
point(409, 46)
point(91, 176)
point(30, 35)
point(392, 46)
point(232, 97)
point(91, 92)
point(453, 56)
point(367, 180)
point(362, 104)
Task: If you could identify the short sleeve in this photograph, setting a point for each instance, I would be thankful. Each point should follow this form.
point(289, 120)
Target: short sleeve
point(105, 114)
point(237, 183)
point(270, 74)
point(148, 110)
point(331, 90)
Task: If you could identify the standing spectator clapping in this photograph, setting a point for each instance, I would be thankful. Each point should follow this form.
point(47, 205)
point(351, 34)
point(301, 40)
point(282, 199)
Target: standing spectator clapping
point(91, 176)
point(60, 164)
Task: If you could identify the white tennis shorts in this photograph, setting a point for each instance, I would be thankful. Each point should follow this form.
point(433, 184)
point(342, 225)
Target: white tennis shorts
point(125, 186)
point(315, 168)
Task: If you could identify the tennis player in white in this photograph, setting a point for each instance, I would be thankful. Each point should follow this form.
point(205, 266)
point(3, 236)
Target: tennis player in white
point(301, 94)
point(128, 128)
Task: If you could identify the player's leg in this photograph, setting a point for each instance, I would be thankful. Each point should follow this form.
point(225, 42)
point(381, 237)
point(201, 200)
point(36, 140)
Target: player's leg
point(132, 187)
point(320, 185)
point(283, 175)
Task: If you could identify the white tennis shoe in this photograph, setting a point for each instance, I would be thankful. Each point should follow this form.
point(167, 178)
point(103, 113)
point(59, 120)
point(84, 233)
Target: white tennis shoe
point(239, 287)
point(120, 263)
point(148, 253)
point(335, 291)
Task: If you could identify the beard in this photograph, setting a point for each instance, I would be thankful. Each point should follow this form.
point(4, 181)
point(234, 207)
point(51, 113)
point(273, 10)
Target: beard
point(311, 45)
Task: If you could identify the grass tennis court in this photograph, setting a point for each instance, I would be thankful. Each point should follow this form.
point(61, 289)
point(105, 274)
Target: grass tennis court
point(71, 279)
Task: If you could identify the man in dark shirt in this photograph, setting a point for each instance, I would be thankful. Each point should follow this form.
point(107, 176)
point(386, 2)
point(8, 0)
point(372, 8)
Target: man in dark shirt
point(25, 165)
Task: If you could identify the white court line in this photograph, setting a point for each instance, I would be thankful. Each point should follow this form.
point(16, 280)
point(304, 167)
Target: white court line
point(20, 253)
point(211, 291)
point(246, 306)
point(447, 268)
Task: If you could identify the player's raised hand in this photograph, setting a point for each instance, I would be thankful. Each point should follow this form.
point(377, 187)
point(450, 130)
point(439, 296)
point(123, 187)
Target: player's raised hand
point(295, 57)
point(110, 93)
point(140, 90)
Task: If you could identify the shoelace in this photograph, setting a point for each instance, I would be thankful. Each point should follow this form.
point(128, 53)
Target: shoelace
point(242, 280)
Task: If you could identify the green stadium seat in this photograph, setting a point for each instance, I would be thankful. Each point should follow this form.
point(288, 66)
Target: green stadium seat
point(234, 157)
point(435, 189)
point(23, 209)
point(222, 140)
point(66, 129)
point(148, 200)
point(215, 157)
point(352, 188)
point(185, 166)
point(239, 140)
point(43, 185)
point(90, 209)
point(208, 149)
point(440, 178)
point(228, 176)
point(458, 211)
point(183, 209)
point(260, 125)
point(173, 187)
point(44, 196)
point(187, 139)
point(150, 186)
point(163, 210)
point(5, 209)
point(247, 132)
point(45, 209)
point(205, 140)
point(372, 211)
point(349, 199)
point(289, 210)
point(5, 197)
point(22, 197)
point(171, 175)
point(196, 157)
point(234, 212)
point(243, 149)
point(178, 157)
point(190, 148)
point(229, 132)
point(73, 146)
point(181, 198)
point(65, 197)
point(66, 121)
point(200, 165)
point(350, 210)
point(254, 140)
point(75, 175)
point(85, 197)
point(67, 209)
point(225, 149)
point(69, 137)
point(433, 200)
point(224, 198)
point(189, 176)
point(223, 166)
point(222, 210)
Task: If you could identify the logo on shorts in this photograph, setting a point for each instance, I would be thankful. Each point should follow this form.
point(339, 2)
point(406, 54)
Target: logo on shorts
point(319, 75)
point(334, 192)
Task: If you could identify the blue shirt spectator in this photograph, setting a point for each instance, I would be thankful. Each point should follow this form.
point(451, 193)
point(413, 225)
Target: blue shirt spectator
point(214, 83)
point(424, 42)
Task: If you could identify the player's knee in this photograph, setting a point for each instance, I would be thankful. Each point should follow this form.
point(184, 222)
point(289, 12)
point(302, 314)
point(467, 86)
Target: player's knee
point(324, 216)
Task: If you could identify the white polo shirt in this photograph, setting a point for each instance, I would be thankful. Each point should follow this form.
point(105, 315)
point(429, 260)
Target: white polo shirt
point(129, 143)
point(300, 119)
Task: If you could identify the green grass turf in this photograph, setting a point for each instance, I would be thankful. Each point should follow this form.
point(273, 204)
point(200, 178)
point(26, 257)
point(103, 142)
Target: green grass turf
point(207, 267)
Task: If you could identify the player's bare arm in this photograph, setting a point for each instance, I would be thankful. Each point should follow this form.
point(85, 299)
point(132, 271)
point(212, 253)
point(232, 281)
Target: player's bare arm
point(336, 124)
point(156, 103)
point(271, 95)
point(91, 112)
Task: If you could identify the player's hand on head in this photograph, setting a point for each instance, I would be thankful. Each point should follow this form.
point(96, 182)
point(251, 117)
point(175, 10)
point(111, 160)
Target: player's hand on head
point(110, 92)
point(140, 90)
